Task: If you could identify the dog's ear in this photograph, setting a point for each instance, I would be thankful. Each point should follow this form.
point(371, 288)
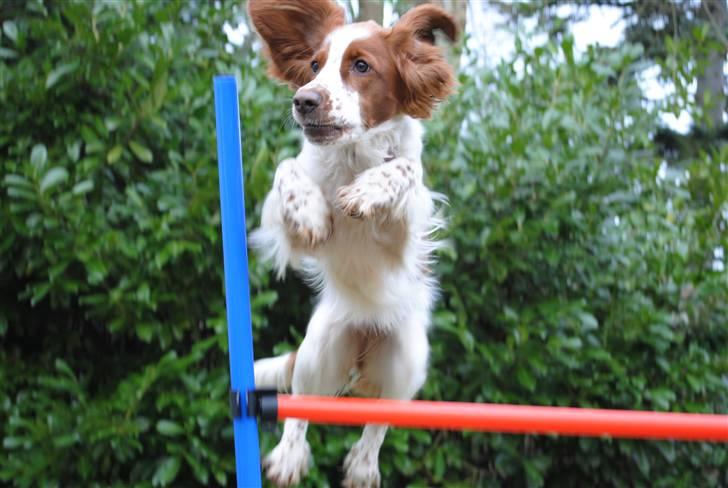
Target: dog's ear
point(423, 20)
point(292, 31)
point(427, 77)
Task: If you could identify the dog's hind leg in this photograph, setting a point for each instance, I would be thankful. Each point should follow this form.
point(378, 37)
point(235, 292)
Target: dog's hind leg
point(275, 372)
point(398, 365)
point(322, 367)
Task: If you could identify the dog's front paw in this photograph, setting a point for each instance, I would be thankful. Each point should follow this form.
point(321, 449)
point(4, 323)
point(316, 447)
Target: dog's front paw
point(307, 216)
point(362, 199)
point(287, 463)
point(377, 191)
point(362, 468)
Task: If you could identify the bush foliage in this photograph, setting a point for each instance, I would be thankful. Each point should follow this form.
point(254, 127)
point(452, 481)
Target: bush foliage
point(580, 269)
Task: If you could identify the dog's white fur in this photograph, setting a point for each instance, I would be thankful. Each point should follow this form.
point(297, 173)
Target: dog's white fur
point(355, 218)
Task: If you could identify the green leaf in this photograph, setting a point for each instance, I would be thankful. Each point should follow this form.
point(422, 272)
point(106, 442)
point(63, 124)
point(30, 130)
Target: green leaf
point(11, 30)
point(166, 471)
point(264, 299)
point(17, 180)
point(59, 72)
point(33, 220)
point(96, 269)
point(38, 156)
point(64, 368)
point(82, 187)
point(168, 427)
point(53, 177)
point(198, 468)
point(112, 123)
point(526, 379)
point(74, 150)
point(661, 397)
point(533, 475)
point(66, 440)
point(159, 90)
point(642, 461)
point(588, 321)
point(571, 342)
point(142, 152)
point(114, 154)
point(39, 293)
point(142, 424)
point(145, 331)
point(11, 442)
point(24, 193)
point(6, 53)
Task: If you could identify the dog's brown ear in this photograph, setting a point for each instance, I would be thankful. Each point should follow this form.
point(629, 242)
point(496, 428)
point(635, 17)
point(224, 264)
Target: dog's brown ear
point(292, 31)
point(427, 77)
point(423, 20)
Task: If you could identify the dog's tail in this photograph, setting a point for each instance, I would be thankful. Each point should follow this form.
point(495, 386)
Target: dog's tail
point(275, 372)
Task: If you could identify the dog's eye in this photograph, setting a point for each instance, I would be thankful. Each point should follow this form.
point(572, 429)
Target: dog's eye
point(314, 66)
point(361, 66)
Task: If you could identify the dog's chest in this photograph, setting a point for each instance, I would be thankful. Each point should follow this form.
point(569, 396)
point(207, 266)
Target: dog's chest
point(360, 247)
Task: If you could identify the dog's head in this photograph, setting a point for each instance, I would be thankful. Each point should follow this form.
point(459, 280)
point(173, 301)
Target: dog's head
point(350, 79)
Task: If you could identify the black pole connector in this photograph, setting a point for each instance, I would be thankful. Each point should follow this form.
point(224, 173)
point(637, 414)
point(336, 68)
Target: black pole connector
point(263, 404)
point(236, 409)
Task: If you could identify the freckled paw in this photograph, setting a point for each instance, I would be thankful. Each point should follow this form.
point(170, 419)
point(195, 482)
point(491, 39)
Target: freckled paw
point(287, 463)
point(308, 219)
point(356, 202)
point(361, 469)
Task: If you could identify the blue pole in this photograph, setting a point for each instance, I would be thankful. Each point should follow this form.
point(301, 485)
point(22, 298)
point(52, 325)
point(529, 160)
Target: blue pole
point(237, 289)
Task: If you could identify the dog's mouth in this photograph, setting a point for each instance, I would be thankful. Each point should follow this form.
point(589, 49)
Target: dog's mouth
point(322, 132)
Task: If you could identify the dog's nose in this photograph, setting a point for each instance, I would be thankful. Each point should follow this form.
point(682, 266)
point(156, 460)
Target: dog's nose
point(306, 101)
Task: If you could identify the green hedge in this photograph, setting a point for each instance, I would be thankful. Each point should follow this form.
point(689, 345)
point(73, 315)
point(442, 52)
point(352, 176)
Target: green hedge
point(574, 274)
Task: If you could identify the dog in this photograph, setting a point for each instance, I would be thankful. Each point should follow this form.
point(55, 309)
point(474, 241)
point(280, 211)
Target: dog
point(351, 212)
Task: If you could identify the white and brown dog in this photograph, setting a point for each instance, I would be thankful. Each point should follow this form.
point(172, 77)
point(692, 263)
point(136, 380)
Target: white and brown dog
point(351, 212)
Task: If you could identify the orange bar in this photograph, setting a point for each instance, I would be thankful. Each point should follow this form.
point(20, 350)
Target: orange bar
point(516, 419)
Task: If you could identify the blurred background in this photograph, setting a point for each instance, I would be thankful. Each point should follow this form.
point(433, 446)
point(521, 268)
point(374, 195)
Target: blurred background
point(585, 159)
